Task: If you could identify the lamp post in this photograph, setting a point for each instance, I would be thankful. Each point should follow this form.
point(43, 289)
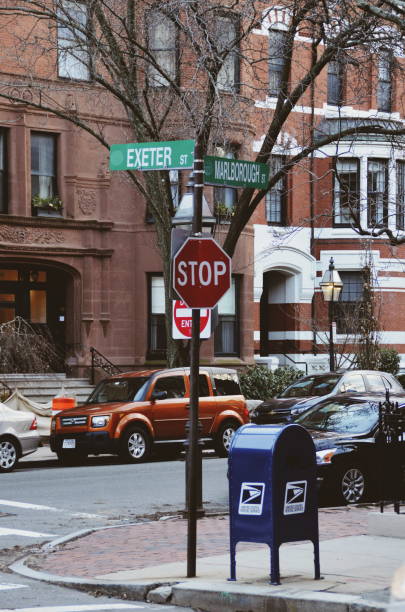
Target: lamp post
point(194, 210)
point(331, 285)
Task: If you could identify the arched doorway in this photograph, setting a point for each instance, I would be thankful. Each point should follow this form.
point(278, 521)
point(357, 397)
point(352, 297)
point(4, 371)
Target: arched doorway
point(37, 293)
point(277, 312)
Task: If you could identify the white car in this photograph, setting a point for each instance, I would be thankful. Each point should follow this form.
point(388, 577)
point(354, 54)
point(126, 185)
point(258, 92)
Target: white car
point(18, 436)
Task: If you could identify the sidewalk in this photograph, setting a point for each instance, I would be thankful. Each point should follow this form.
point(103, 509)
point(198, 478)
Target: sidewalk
point(148, 561)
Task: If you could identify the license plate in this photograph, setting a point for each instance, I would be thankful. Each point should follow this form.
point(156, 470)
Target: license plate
point(69, 444)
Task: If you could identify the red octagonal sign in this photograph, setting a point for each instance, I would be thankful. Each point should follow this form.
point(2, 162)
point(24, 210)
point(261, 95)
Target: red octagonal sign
point(201, 272)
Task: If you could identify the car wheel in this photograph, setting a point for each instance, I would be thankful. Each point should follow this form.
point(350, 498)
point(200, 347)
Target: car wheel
point(354, 484)
point(224, 437)
point(135, 445)
point(9, 453)
point(72, 457)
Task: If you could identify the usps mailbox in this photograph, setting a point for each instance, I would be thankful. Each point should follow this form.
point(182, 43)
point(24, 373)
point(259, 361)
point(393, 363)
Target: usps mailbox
point(272, 490)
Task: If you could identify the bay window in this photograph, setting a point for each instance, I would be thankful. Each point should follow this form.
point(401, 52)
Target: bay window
point(377, 191)
point(162, 45)
point(73, 53)
point(346, 191)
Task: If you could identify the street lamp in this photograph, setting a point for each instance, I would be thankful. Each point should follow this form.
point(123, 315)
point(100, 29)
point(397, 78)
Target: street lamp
point(331, 285)
point(183, 218)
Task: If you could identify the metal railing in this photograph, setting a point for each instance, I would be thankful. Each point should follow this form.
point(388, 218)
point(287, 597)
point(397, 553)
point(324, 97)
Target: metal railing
point(98, 360)
point(391, 441)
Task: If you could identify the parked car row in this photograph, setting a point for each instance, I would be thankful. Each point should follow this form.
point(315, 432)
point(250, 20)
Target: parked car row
point(133, 413)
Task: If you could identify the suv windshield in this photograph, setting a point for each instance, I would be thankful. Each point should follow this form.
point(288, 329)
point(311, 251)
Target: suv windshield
point(118, 390)
point(311, 385)
point(341, 417)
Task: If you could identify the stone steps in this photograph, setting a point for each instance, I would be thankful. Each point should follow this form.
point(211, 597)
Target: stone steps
point(43, 387)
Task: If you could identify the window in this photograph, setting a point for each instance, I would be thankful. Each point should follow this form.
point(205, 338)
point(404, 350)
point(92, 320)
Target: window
point(73, 54)
point(377, 191)
point(173, 386)
point(3, 172)
point(353, 382)
point(226, 338)
point(377, 383)
point(226, 384)
point(335, 83)
point(275, 198)
point(277, 60)
point(384, 84)
point(157, 318)
point(175, 186)
point(162, 43)
point(224, 197)
point(345, 310)
point(401, 195)
point(227, 32)
point(203, 388)
point(43, 165)
point(346, 191)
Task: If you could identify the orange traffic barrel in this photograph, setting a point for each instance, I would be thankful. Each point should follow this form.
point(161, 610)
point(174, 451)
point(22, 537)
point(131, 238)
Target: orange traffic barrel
point(62, 403)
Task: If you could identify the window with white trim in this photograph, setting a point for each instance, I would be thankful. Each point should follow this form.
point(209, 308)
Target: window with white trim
point(377, 191)
point(384, 81)
point(162, 45)
point(346, 191)
point(335, 83)
point(43, 165)
point(157, 315)
point(73, 52)
point(346, 310)
point(401, 195)
point(227, 32)
point(226, 337)
point(277, 60)
point(275, 197)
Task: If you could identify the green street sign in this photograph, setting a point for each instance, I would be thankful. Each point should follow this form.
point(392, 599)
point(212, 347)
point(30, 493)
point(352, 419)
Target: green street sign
point(171, 155)
point(235, 172)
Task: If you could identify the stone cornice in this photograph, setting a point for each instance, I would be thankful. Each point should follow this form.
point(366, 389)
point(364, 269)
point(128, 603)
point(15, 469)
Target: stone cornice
point(54, 222)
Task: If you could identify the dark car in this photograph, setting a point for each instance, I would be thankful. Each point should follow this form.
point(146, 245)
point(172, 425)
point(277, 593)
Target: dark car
point(345, 432)
point(310, 390)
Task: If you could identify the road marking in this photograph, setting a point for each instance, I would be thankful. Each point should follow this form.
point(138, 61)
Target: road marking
point(17, 504)
point(87, 608)
point(4, 531)
point(8, 586)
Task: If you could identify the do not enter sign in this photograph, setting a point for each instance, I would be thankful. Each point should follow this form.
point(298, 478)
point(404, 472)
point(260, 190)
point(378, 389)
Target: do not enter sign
point(182, 321)
point(201, 272)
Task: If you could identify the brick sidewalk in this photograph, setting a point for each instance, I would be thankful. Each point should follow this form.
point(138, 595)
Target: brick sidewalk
point(149, 544)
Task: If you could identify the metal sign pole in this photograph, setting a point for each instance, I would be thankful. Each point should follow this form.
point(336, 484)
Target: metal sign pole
point(194, 455)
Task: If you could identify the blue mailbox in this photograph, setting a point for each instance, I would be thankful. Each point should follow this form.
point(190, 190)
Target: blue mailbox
point(272, 490)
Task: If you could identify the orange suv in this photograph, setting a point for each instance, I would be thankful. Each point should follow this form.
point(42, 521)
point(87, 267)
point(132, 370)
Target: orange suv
point(131, 413)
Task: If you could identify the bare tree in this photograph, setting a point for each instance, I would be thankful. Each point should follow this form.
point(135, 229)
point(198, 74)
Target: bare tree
point(207, 84)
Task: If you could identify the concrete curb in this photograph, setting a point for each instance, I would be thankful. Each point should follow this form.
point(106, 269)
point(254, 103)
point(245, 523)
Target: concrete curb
point(196, 593)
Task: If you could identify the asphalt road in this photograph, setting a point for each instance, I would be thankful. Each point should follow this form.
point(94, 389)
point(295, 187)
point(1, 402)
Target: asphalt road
point(41, 501)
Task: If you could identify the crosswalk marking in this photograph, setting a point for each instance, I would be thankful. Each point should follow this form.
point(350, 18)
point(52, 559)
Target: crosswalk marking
point(88, 608)
point(5, 531)
point(8, 586)
point(27, 506)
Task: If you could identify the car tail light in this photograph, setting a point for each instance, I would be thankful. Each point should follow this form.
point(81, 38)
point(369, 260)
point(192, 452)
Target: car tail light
point(246, 412)
point(34, 424)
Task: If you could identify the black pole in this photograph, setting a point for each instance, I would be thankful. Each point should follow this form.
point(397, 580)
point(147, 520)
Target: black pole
point(194, 479)
point(331, 344)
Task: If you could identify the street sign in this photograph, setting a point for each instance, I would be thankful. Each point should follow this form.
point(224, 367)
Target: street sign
point(235, 172)
point(170, 155)
point(182, 321)
point(201, 272)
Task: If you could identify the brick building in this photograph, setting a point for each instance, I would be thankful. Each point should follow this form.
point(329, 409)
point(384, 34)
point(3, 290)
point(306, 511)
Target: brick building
point(78, 246)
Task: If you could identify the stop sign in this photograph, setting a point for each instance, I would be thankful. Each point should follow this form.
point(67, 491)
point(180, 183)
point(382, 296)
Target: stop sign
point(201, 272)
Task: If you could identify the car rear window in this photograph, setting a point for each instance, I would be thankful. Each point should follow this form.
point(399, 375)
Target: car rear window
point(313, 385)
point(226, 384)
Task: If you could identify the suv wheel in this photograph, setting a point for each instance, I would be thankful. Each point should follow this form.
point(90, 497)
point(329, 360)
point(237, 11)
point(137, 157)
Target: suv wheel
point(224, 436)
point(135, 445)
point(8, 455)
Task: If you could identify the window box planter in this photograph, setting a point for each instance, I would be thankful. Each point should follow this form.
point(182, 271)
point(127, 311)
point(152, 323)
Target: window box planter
point(47, 211)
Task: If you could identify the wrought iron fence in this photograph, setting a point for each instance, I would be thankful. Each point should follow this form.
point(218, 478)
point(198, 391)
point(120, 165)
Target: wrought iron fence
point(98, 360)
point(391, 440)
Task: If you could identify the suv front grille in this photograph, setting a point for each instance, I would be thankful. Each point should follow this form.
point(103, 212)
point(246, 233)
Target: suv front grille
point(73, 421)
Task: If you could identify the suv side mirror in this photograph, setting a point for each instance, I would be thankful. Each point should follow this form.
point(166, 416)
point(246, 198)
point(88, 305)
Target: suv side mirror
point(159, 395)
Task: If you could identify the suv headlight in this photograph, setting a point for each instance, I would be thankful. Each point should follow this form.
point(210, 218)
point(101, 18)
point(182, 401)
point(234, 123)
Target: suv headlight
point(99, 421)
point(325, 456)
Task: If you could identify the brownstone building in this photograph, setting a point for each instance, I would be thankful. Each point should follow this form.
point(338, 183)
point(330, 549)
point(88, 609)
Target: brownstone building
point(79, 252)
